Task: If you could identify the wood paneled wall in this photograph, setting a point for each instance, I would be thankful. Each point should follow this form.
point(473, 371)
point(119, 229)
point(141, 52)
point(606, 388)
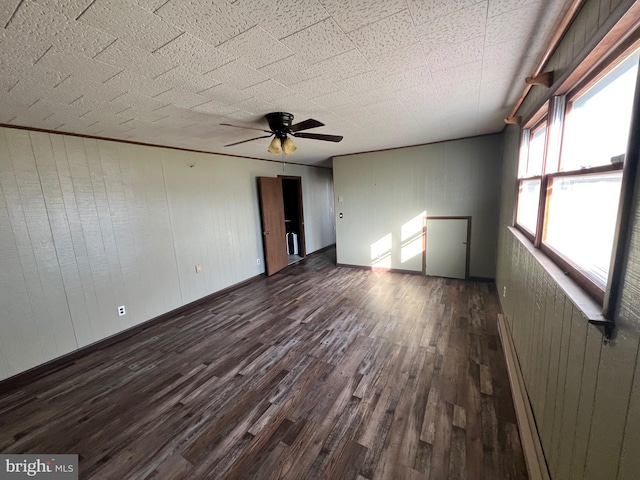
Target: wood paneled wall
point(383, 192)
point(89, 225)
point(585, 394)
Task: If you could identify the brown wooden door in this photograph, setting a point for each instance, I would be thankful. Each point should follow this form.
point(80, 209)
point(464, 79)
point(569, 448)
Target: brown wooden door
point(274, 236)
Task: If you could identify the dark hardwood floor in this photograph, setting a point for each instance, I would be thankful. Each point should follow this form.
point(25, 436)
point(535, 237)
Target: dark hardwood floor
point(317, 372)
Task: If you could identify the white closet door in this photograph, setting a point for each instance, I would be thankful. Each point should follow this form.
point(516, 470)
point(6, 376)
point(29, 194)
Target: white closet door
point(446, 254)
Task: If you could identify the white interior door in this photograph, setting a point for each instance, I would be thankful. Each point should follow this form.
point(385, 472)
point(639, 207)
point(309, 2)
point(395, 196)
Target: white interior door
point(446, 252)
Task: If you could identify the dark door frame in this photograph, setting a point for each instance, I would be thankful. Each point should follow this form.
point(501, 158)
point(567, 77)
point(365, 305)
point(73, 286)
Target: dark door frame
point(424, 240)
point(302, 248)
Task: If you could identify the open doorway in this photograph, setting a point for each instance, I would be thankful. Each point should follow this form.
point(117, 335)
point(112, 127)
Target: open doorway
point(293, 217)
point(282, 221)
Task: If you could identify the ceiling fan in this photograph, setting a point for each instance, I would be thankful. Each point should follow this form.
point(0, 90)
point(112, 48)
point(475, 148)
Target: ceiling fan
point(281, 129)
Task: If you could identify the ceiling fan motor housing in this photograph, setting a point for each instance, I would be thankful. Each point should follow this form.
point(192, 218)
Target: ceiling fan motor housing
point(279, 123)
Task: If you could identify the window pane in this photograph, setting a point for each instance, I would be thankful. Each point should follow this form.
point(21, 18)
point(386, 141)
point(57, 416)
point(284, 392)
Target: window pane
point(597, 126)
point(528, 199)
point(581, 220)
point(523, 156)
point(536, 152)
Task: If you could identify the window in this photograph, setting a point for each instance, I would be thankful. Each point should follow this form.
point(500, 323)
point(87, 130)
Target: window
point(571, 173)
point(528, 199)
point(580, 221)
point(531, 165)
point(597, 122)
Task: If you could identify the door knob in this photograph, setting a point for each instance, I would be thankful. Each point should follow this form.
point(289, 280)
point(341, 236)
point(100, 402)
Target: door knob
point(266, 233)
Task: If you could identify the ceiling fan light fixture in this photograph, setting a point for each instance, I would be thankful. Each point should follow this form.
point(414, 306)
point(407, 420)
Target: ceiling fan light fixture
point(288, 147)
point(275, 146)
point(280, 127)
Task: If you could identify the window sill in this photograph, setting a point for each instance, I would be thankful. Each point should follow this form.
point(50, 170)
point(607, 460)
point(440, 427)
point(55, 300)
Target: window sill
point(587, 305)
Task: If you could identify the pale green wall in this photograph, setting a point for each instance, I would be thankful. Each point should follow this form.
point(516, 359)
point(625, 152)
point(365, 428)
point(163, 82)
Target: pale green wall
point(585, 394)
point(382, 191)
point(87, 225)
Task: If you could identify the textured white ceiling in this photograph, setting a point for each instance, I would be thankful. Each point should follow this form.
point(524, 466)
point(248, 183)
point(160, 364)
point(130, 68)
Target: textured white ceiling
point(382, 73)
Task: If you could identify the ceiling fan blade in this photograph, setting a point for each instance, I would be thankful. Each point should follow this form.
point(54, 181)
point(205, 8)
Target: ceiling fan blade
point(246, 128)
point(245, 141)
point(306, 125)
point(319, 136)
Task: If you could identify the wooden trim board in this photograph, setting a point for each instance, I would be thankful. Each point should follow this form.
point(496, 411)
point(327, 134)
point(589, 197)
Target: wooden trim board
point(557, 37)
point(414, 145)
point(156, 145)
point(531, 446)
point(616, 29)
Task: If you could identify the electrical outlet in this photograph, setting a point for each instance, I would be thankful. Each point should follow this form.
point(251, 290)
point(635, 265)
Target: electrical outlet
point(198, 268)
point(258, 261)
point(504, 291)
point(121, 310)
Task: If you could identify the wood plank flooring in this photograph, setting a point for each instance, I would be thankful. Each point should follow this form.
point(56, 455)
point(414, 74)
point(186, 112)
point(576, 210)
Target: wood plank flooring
point(317, 372)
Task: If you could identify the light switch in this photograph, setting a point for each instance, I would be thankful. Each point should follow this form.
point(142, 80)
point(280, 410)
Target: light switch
point(198, 268)
point(340, 199)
